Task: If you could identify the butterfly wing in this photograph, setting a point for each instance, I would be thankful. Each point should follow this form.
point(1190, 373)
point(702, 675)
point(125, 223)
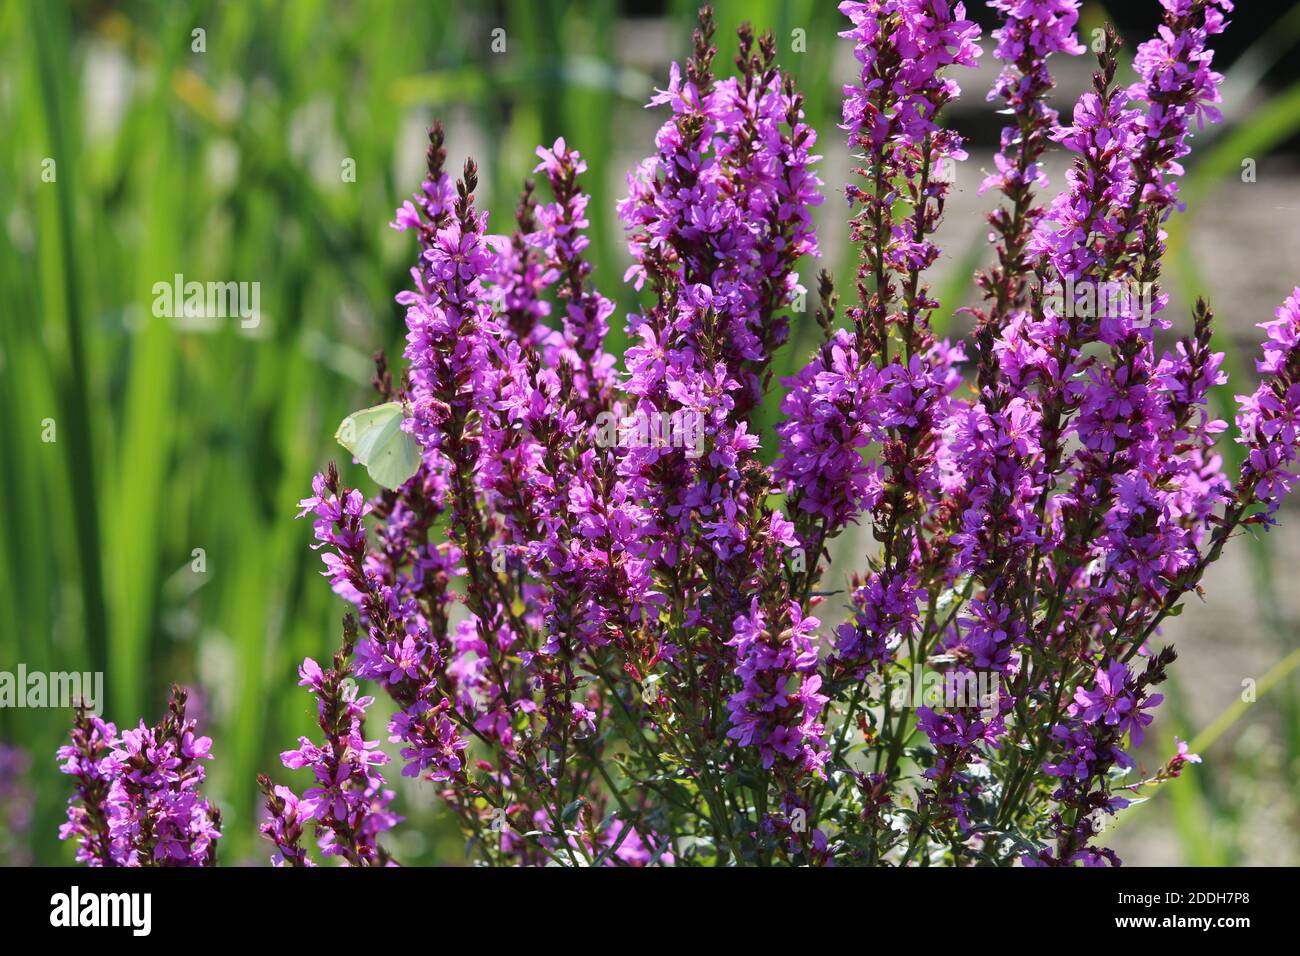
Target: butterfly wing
point(375, 438)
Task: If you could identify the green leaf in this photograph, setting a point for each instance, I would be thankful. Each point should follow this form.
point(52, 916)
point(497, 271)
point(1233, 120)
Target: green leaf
point(570, 813)
point(375, 438)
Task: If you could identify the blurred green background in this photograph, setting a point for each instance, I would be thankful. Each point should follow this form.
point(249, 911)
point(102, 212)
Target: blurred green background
point(154, 538)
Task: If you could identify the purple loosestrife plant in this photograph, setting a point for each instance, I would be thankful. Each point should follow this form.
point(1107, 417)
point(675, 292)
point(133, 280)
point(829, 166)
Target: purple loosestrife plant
point(137, 799)
point(594, 606)
point(614, 657)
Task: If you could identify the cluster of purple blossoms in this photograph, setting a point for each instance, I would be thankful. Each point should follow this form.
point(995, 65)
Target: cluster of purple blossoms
point(1269, 419)
point(592, 605)
point(397, 650)
point(766, 712)
point(348, 806)
point(137, 799)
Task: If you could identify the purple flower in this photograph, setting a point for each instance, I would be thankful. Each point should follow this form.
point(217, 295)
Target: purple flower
point(1110, 698)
